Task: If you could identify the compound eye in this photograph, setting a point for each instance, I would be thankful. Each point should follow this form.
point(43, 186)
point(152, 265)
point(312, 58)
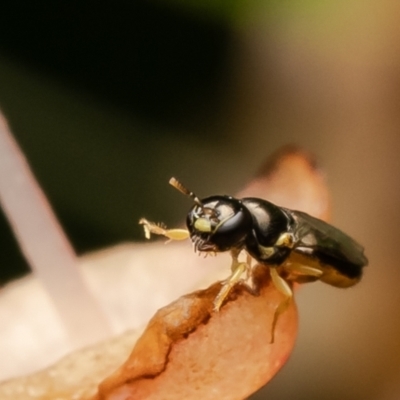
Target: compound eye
point(232, 230)
point(232, 224)
point(203, 225)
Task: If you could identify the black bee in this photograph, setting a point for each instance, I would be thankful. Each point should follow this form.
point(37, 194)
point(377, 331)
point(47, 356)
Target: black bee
point(295, 246)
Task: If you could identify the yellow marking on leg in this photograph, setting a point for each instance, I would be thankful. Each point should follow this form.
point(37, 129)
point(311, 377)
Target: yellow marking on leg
point(329, 274)
point(235, 259)
point(172, 234)
point(302, 269)
point(238, 269)
point(305, 270)
point(248, 271)
point(228, 285)
point(282, 286)
point(280, 283)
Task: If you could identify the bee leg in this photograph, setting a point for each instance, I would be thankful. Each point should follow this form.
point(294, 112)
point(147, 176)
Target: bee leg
point(307, 271)
point(238, 269)
point(171, 234)
point(251, 285)
point(248, 262)
point(282, 286)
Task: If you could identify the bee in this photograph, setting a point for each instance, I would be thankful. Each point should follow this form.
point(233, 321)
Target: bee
point(293, 245)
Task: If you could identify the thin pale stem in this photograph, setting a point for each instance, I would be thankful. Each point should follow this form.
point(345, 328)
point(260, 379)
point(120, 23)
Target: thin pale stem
point(45, 246)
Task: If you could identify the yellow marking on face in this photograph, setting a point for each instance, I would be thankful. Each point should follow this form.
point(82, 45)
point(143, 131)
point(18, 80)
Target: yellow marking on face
point(203, 225)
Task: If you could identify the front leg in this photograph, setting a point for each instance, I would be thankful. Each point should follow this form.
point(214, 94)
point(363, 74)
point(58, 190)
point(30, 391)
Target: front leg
point(159, 229)
point(238, 269)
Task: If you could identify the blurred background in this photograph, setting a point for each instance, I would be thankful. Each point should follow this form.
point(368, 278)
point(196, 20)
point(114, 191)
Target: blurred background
point(109, 100)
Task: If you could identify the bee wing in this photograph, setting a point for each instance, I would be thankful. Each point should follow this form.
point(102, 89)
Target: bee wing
point(323, 240)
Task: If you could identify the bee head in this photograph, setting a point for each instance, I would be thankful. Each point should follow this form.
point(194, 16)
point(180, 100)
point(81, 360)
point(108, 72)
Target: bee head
point(217, 223)
point(220, 223)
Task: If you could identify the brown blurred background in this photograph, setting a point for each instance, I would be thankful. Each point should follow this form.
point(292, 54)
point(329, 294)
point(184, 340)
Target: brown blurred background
point(109, 100)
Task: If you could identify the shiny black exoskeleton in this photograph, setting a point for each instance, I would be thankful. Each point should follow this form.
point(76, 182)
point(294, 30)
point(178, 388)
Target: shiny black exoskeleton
point(276, 236)
point(294, 246)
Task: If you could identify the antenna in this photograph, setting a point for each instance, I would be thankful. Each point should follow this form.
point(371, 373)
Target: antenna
point(177, 185)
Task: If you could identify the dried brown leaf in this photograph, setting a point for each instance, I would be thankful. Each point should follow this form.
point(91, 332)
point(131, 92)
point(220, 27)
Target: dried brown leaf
point(190, 352)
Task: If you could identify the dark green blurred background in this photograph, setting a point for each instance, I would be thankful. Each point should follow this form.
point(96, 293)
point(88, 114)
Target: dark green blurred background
point(98, 93)
point(109, 100)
